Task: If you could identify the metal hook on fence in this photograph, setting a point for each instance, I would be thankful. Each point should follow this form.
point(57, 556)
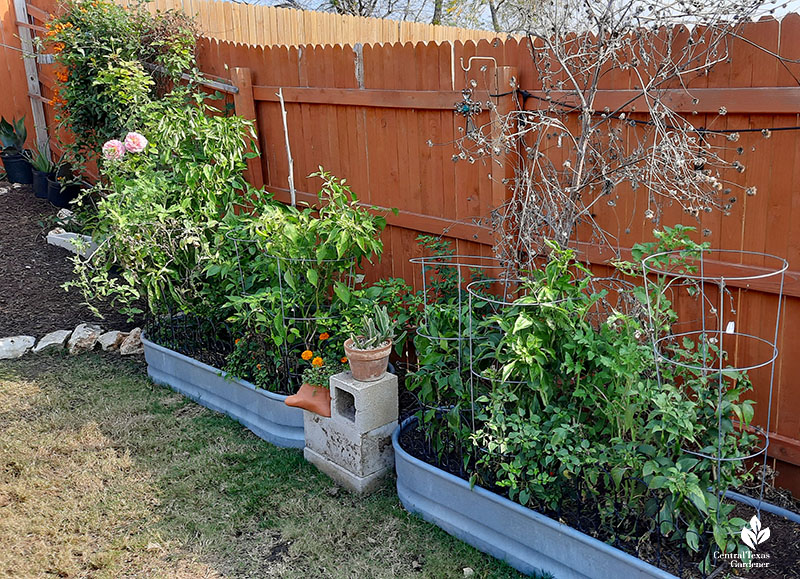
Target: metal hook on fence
point(471, 58)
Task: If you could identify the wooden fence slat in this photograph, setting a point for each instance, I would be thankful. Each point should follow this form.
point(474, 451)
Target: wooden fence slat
point(32, 79)
point(245, 107)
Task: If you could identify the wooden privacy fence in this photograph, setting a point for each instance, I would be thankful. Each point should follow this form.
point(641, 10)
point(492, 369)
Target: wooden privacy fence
point(382, 117)
point(268, 25)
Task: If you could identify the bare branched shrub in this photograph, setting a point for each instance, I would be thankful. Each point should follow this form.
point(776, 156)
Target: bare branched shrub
point(575, 148)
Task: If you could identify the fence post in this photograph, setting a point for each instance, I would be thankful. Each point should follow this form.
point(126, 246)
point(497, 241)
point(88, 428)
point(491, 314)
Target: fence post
point(32, 77)
point(505, 83)
point(245, 106)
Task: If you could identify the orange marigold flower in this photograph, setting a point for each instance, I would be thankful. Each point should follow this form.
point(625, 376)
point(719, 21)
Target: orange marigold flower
point(58, 47)
point(317, 362)
point(258, 366)
point(324, 336)
point(62, 75)
point(236, 341)
point(344, 360)
point(307, 355)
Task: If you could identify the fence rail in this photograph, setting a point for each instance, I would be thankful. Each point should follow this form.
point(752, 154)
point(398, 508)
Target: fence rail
point(381, 116)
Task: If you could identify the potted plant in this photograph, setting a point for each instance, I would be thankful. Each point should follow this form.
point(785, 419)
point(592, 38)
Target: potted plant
point(43, 169)
point(368, 350)
point(62, 187)
point(314, 395)
point(15, 161)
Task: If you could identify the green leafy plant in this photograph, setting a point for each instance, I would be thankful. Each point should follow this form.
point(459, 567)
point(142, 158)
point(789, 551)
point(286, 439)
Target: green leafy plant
point(13, 135)
point(162, 210)
point(441, 380)
point(41, 163)
point(249, 361)
point(111, 62)
point(567, 389)
point(375, 331)
point(314, 254)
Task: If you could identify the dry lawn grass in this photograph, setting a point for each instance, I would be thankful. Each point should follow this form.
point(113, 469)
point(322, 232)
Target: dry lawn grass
point(103, 474)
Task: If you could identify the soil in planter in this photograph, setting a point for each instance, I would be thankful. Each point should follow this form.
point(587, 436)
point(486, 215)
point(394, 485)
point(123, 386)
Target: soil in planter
point(213, 343)
point(783, 545)
point(778, 497)
point(210, 342)
point(32, 301)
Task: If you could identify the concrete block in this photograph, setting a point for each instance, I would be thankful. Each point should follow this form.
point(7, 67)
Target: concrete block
point(360, 485)
point(366, 405)
point(83, 245)
point(360, 453)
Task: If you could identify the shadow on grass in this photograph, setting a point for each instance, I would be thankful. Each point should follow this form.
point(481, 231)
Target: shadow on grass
point(104, 473)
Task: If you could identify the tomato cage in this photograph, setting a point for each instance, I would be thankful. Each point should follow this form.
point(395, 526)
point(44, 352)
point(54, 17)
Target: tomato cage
point(721, 346)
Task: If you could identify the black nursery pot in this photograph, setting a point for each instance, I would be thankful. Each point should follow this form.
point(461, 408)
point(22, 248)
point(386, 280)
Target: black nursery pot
point(18, 168)
point(40, 179)
point(60, 195)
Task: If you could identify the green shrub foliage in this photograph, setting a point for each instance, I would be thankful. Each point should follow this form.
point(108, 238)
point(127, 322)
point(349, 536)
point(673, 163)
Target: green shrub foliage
point(566, 389)
point(111, 61)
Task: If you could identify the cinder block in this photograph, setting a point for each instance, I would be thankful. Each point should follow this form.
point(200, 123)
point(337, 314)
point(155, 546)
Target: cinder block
point(361, 485)
point(360, 453)
point(366, 405)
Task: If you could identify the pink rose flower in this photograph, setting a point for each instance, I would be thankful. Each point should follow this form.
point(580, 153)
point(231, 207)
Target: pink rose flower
point(113, 150)
point(135, 143)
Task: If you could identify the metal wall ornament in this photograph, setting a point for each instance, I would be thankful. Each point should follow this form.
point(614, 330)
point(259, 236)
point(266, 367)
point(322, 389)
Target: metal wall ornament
point(469, 108)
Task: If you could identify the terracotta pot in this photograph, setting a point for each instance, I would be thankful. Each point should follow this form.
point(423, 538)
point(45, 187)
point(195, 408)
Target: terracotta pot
point(312, 398)
point(367, 365)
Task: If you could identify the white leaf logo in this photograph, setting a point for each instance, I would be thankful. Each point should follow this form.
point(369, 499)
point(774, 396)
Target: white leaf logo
point(754, 535)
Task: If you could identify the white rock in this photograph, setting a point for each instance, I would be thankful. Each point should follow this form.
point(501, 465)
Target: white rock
point(16, 185)
point(3, 191)
point(83, 338)
point(57, 231)
point(133, 343)
point(15, 346)
point(111, 340)
point(55, 339)
point(65, 215)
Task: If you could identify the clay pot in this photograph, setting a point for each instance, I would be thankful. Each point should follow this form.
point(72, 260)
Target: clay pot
point(312, 398)
point(367, 365)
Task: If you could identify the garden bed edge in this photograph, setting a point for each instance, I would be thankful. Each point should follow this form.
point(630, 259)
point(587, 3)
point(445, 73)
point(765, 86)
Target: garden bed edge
point(261, 411)
point(525, 539)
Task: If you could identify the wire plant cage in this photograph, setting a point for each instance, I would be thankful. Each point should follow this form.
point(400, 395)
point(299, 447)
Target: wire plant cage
point(447, 277)
point(723, 339)
point(606, 515)
point(491, 297)
point(307, 309)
